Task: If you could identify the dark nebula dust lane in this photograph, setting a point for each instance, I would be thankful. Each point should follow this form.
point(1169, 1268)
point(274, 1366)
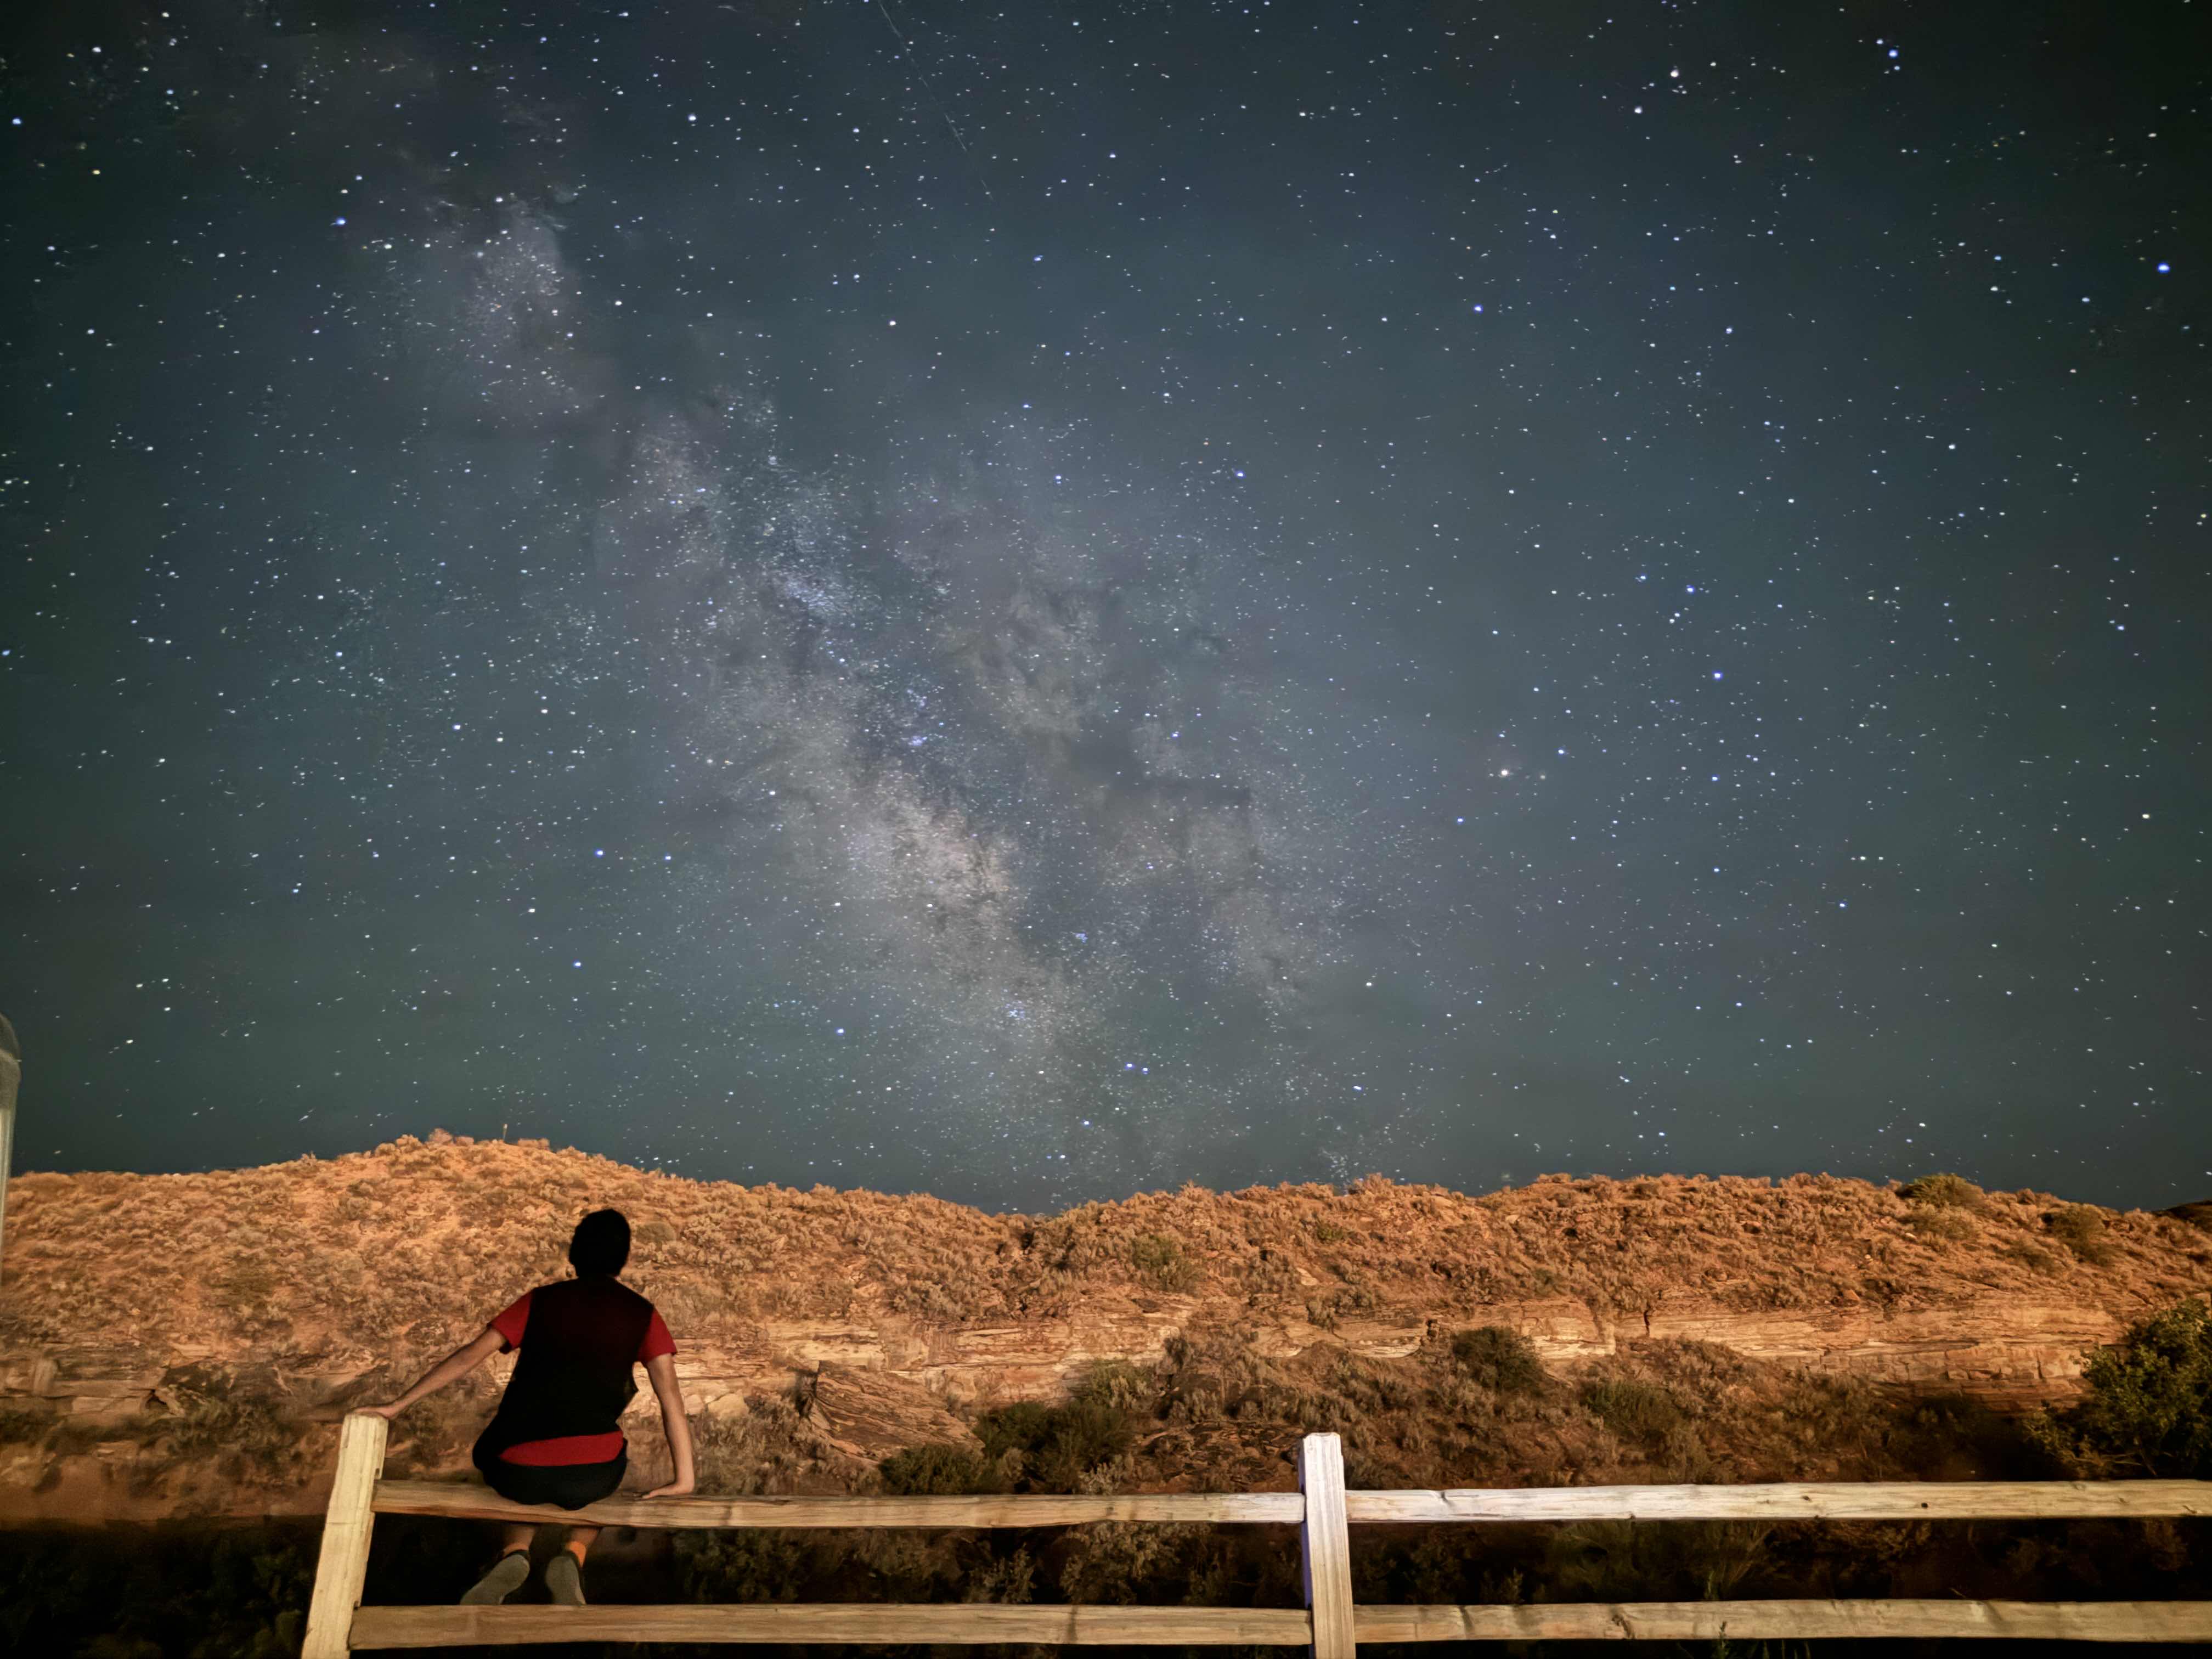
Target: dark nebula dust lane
point(1033, 604)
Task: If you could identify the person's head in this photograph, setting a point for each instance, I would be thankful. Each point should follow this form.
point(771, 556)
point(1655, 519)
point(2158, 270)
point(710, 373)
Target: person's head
point(601, 1244)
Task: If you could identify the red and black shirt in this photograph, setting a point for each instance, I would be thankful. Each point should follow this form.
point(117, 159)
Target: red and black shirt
point(577, 1341)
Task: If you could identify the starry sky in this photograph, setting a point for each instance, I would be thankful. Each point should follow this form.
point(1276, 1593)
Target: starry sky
point(1034, 603)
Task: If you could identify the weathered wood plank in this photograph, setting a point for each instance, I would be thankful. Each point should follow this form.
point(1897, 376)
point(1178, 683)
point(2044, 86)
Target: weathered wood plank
point(979, 1623)
point(1749, 1621)
point(1026, 1509)
point(1992, 1500)
point(1325, 1547)
point(772, 1622)
point(344, 1562)
point(1960, 1500)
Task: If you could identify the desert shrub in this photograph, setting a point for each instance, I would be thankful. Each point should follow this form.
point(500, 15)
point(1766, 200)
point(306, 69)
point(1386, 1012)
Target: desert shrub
point(242, 1429)
point(1947, 1225)
point(1702, 1374)
point(1001, 1578)
point(1215, 1372)
point(1054, 1446)
point(1120, 1561)
point(937, 1469)
point(1373, 1390)
point(1327, 1312)
point(1636, 1410)
point(757, 1565)
point(2032, 1257)
point(2149, 1404)
point(1942, 1192)
point(1118, 1385)
point(1161, 1263)
point(767, 1449)
point(2082, 1229)
point(1327, 1232)
point(1499, 1359)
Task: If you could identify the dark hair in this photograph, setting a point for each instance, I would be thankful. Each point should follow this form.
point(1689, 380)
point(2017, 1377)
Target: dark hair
point(601, 1244)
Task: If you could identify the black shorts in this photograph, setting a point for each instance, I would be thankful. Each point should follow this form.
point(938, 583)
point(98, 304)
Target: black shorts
point(569, 1485)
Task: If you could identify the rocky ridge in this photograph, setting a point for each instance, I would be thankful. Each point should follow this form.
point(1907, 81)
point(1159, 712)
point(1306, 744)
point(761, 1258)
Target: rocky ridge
point(168, 1341)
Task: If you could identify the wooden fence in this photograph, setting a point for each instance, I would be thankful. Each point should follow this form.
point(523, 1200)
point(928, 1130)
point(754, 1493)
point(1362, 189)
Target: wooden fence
point(1330, 1624)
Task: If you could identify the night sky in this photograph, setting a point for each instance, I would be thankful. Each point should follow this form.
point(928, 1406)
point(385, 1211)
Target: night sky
point(1030, 604)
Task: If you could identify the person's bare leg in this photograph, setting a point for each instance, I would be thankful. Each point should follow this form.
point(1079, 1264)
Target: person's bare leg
point(516, 1535)
point(580, 1539)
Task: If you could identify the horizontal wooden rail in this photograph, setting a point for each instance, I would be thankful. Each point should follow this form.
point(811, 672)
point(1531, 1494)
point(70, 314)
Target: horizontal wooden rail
point(838, 1621)
point(1947, 1500)
point(976, 1623)
point(480, 1503)
point(1961, 1500)
point(1754, 1621)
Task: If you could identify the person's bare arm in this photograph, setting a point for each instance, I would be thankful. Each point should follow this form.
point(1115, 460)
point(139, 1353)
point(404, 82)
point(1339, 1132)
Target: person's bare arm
point(454, 1366)
point(661, 1370)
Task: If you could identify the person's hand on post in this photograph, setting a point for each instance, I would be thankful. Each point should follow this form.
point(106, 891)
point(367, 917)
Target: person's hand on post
point(390, 1409)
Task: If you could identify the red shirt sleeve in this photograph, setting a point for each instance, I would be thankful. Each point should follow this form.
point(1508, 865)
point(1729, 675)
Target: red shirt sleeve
point(512, 1319)
point(657, 1340)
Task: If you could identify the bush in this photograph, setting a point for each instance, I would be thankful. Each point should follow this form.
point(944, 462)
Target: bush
point(1160, 1262)
point(2031, 1256)
point(2149, 1402)
point(768, 1450)
point(1942, 1192)
point(1947, 1225)
point(1639, 1411)
point(1119, 1385)
point(938, 1470)
point(224, 1421)
point(1001, 1578)
point(1056, 1445)
point(1117, 1561)
point(1498, 1359)
point(2082, 1229)
point(755, 1565)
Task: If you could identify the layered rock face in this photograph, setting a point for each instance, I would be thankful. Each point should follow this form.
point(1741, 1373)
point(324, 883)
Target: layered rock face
point(166, 1342)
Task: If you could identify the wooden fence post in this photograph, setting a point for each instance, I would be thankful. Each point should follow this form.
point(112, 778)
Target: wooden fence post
point(343, 1563)
point(1325, 1546)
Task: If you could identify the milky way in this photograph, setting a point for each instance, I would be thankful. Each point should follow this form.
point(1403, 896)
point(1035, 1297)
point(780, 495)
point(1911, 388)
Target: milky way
point(1033, 605)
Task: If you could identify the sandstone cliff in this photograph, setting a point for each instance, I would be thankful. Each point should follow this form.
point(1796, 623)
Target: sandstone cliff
point(163, 1339)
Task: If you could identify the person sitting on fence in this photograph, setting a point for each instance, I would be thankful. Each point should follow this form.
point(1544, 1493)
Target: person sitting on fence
point(557, 1438)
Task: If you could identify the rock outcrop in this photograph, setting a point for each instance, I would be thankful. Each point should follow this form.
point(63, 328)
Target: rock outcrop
point(162, 1339)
